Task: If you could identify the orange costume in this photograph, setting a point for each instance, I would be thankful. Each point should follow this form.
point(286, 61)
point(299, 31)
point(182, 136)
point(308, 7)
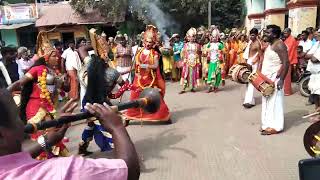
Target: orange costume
point(292, 46)
point(233, 53)
point(147, 75)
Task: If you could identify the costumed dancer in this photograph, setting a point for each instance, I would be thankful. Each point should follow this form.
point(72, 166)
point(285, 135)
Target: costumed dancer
point(191, 56)
point(98, 80)
point(39, 95)
point(233, 48)
point(124, 57)
point(204, 59)
point(215, 57)
point(177, 49)
point(275, 67)
point(167, 59)
point(147, 75)
point(252, 56)
point(223, 65)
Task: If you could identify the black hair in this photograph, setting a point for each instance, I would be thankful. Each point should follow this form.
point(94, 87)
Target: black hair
point(57, 44)
point(80, 40)
point(300, 47)
point(96, 88)
point(70, 42)
point(27, 90)
point(8, 49)
point(4, 111)
point(276, 30)
point(254, 31)
point(310, 29)
point(305, 32)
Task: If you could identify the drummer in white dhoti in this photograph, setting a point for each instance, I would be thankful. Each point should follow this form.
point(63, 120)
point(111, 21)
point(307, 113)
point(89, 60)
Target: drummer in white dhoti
point(252, 56)
point(275, 67)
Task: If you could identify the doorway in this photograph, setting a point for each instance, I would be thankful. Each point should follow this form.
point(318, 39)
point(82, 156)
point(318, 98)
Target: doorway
point(67, 37)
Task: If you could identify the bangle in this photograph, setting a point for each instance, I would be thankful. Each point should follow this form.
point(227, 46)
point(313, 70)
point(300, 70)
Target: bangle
point(43, 142)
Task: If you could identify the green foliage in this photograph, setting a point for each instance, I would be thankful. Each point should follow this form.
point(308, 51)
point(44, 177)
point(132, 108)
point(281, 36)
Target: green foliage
point(181, 14)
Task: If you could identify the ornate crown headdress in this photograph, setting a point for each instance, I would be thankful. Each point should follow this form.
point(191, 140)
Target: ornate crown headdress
point(151, 33)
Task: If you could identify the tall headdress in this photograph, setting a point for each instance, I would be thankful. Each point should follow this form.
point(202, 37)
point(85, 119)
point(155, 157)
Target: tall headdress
point(192, 32)
point(43, 47)
point(215, 33)
point(99, 44)
point(151, 34)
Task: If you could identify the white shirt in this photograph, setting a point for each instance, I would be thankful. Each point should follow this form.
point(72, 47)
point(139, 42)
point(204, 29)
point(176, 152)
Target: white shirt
point(307, 45)
point(314, 68)
point(72, 58)
point(23, 66)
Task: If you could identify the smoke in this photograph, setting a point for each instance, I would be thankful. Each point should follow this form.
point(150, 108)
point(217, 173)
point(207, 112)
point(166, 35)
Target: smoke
point(156, 16)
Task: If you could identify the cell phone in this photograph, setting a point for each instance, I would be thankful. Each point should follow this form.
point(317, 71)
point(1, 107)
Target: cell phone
point(309, 169)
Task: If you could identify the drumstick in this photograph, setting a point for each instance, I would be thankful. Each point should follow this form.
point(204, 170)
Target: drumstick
point(310, 115)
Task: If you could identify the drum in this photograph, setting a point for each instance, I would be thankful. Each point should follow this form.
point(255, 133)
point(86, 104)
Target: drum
point(17, 98)
point(262, 83)
point(239, 73)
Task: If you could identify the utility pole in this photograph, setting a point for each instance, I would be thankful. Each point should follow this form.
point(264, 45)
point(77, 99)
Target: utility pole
point(209, 13)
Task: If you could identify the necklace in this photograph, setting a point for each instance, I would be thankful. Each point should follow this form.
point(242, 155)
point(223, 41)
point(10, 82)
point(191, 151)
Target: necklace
point(151, 70)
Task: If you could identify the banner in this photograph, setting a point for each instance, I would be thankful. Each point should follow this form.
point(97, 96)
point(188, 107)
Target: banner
point(18, 14)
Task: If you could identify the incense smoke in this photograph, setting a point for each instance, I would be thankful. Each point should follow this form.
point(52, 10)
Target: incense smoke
point(155, 15)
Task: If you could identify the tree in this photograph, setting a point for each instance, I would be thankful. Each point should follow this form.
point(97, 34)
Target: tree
point(168, 15)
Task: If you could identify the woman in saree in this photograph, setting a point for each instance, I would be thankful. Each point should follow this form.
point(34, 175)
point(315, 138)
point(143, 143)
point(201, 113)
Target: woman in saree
point(39, 96)
point(147, 75)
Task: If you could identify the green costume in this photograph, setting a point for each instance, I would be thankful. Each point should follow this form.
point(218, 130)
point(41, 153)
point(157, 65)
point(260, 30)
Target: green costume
point(214, 71)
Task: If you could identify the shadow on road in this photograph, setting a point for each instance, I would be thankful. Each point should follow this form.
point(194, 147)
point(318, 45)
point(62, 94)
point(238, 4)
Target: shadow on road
point(152, 147)
point(180, 114)
point(294, 118)
point(230, 87)
point(175, 116)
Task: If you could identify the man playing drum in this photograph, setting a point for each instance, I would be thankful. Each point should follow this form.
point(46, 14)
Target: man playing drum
point(275, 67)
point(252, 56)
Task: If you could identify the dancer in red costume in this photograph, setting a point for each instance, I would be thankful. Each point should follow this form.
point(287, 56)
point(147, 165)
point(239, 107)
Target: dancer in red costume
point(147, 75)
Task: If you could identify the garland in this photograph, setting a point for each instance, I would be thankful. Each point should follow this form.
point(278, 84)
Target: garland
point(45, 94)
point(151, 70)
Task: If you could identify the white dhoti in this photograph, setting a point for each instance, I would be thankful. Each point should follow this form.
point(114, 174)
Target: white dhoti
point(122, 70)
point(249, 97)
point(314, 84)
point(272, 115)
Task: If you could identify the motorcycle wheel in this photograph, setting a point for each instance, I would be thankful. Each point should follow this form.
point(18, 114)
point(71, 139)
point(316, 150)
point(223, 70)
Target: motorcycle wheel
point(303, 86)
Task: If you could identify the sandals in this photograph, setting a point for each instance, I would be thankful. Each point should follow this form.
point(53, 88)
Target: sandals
point(269, 131)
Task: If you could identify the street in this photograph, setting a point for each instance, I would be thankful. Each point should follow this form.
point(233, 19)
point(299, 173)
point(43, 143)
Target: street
point(214, 138)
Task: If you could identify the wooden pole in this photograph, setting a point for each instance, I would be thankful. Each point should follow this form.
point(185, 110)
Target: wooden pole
point(209, 14)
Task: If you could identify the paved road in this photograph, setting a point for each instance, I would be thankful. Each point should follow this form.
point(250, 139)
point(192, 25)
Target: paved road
point(214, 138)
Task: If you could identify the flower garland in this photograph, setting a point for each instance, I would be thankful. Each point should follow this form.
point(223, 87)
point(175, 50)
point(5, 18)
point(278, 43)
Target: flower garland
point(45, 94)
point(151, 70)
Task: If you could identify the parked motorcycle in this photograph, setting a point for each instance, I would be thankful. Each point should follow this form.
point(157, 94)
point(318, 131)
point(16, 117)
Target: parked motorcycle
point(303, 82)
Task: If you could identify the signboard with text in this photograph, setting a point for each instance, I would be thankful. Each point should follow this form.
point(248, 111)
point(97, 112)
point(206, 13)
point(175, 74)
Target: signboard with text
point(18, 14)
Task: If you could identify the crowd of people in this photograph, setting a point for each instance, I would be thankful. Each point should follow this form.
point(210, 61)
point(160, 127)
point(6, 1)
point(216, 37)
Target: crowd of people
point(94, 71)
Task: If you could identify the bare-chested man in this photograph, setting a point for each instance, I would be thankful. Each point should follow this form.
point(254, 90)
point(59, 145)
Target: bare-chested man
point(275, 67)
point(252, 56)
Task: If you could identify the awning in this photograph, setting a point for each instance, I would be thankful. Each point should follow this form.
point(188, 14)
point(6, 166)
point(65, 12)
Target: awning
point(63, 14)
point(14, 26)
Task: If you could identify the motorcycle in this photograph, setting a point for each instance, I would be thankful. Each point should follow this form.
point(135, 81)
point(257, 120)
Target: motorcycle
point(303, 82)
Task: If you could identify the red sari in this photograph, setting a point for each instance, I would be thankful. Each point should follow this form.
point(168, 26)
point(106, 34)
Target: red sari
point(145, 78)
point(41, 108)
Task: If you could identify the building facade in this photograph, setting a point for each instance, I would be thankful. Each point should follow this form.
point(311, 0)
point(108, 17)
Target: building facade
point(295, 14)
point(17, 24)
